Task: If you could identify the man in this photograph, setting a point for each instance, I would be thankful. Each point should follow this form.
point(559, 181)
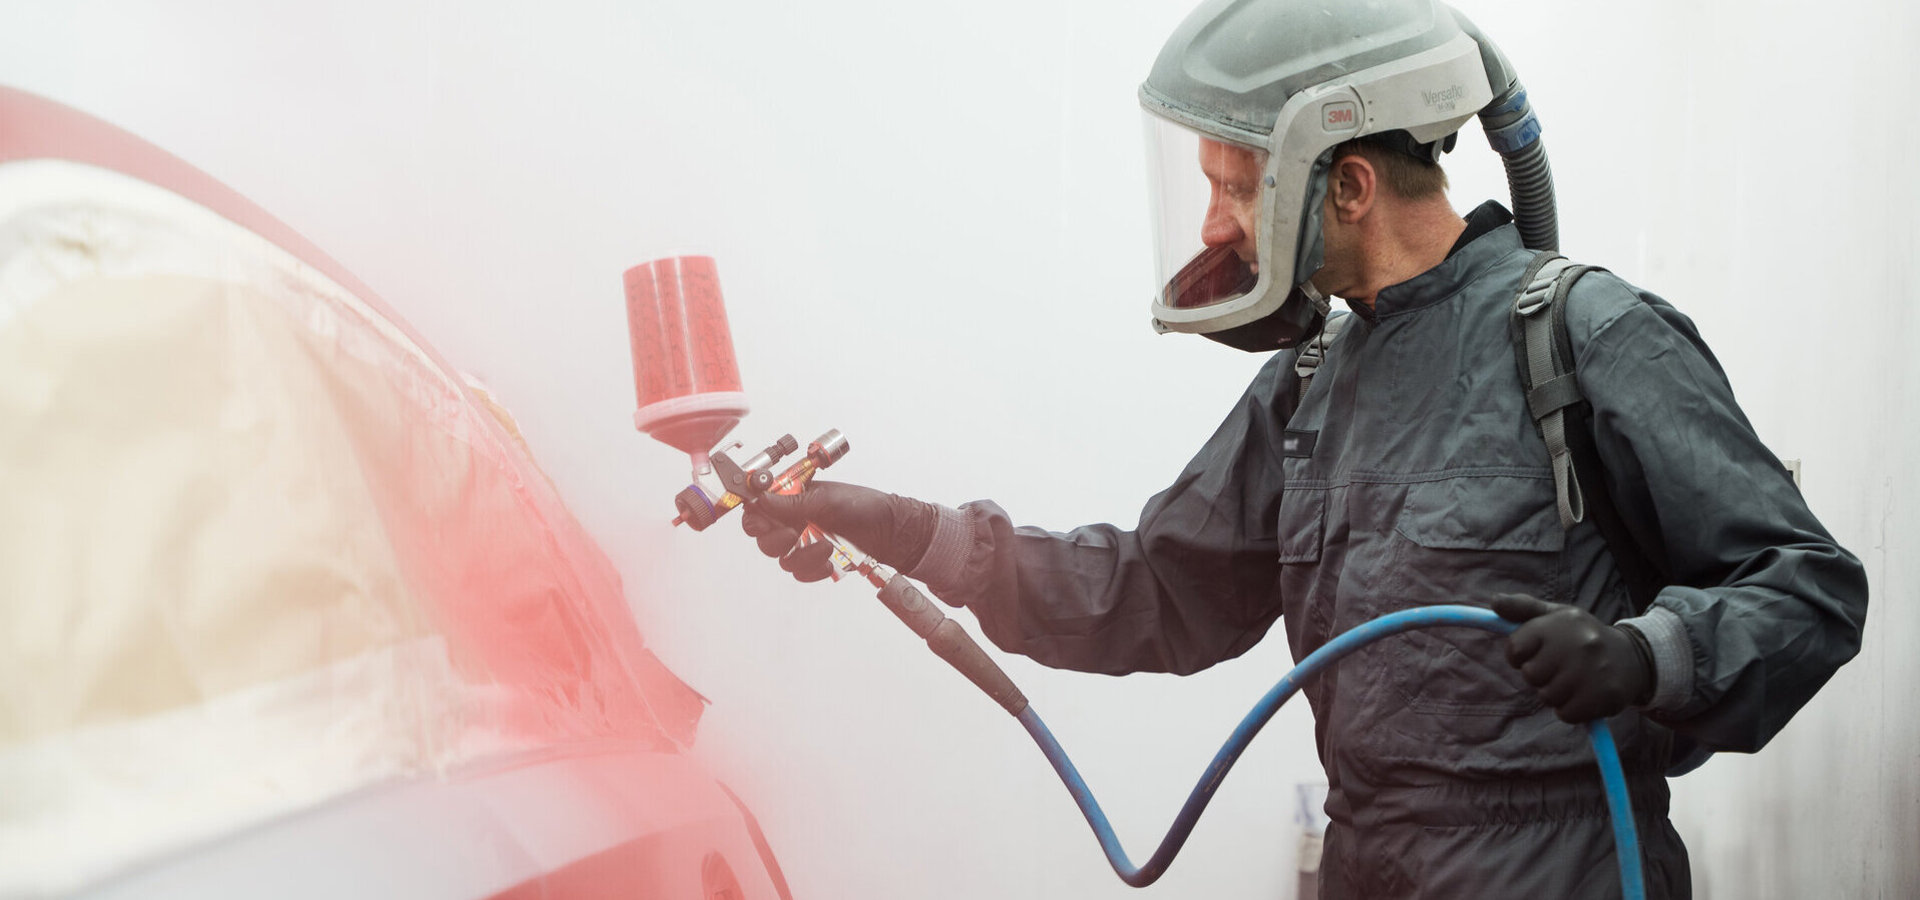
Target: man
point(1409, 472)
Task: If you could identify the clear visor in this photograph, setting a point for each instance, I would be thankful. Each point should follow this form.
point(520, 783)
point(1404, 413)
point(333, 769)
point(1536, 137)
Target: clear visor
point(1205, 197)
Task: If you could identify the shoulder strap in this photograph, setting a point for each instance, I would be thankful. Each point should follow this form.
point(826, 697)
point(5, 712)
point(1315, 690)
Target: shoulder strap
point(1314, 352)
point(1546, 373)
point(1543, 349)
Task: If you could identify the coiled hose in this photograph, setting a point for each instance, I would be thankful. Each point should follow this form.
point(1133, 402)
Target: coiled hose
point(1514, 132)
point(951, 643)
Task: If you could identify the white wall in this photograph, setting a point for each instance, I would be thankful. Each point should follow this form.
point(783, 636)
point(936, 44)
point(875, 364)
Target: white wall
point(931, 229)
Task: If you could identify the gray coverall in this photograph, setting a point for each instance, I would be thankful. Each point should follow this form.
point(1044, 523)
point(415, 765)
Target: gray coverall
point(1414, 476)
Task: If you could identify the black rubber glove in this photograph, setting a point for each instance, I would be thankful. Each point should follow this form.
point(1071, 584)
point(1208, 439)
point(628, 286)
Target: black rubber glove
point(1582, 667)
point(896, 530)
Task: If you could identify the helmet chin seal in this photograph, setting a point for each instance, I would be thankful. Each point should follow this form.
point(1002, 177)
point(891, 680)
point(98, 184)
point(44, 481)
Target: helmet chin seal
point(1296, 321)
point(1218, 273)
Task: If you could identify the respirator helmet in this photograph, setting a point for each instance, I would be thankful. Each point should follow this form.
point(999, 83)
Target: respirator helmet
point(1244, 107)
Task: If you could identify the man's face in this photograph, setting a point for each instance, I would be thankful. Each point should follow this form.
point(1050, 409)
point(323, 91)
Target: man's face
point(1234, 174)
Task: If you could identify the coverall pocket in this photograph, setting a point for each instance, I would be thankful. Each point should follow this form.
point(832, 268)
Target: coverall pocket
point(1466, 538)
point(1302, 524)
point(1483, 513)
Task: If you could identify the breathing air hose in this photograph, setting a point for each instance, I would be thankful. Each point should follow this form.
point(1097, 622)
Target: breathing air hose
point(1513, 131)
point(952, 643)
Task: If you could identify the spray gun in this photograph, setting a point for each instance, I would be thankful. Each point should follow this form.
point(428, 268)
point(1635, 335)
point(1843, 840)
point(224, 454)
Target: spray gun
point(727, 484)
point(688, 389)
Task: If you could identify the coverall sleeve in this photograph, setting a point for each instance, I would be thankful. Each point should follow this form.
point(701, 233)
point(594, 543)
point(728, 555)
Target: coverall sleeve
point(1764, 605)
point(1192, 585)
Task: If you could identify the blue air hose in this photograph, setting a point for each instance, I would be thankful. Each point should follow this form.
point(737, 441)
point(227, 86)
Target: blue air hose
point(951, 642)
point(1625, 842)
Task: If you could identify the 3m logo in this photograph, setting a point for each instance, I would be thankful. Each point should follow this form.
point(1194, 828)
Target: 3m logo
point(1340, 115)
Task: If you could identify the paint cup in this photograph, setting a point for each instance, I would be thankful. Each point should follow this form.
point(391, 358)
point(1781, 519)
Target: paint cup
point(685, 381)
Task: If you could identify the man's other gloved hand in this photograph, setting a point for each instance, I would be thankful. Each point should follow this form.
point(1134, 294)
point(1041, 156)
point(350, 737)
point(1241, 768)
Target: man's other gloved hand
point(895, 530)
point(1582, 667)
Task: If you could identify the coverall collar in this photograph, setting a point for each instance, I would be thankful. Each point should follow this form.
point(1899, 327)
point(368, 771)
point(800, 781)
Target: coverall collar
point(1490, 235)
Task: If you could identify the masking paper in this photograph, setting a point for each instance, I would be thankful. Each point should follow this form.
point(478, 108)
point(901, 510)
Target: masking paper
point(258, 547)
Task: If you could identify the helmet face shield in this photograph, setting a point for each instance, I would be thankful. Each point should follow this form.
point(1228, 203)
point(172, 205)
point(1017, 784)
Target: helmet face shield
point(1206, 200)
point(1234, 234)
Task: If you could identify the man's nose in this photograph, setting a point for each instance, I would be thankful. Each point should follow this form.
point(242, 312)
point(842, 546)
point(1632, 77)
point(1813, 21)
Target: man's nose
point(1220, 229)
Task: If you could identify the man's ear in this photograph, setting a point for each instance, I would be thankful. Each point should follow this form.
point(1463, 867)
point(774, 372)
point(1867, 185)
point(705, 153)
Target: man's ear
point(1352, 186)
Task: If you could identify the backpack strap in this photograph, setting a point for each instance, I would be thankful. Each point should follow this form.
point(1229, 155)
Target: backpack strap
point(1546, 374)
point(1543, 349)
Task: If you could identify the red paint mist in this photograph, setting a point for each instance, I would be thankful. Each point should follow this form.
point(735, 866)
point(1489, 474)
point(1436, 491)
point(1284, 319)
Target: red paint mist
point(684, 376)
point(532, 611)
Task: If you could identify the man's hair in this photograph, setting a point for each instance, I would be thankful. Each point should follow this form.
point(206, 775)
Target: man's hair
point(1408, 177)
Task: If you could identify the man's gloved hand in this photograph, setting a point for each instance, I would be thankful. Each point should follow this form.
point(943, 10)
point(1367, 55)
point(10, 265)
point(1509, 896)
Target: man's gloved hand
point(1582, 667)
point(896, 530)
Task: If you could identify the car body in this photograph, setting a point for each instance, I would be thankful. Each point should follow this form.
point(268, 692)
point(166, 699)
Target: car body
point(289, 608)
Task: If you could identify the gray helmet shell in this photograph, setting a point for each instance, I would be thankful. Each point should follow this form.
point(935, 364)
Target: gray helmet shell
point(1233, 64)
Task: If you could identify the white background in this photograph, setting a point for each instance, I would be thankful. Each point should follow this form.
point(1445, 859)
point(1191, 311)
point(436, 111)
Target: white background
point(931, 229)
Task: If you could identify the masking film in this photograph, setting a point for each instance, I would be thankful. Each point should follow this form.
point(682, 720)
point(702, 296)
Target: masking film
point(260, 548)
